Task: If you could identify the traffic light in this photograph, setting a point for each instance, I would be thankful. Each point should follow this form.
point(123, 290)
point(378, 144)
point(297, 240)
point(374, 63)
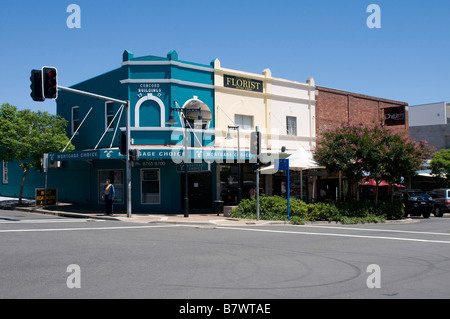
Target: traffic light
point(123, 143)
point(255, 143)
point(50, 82)
point(36, 86)
point(134, 155)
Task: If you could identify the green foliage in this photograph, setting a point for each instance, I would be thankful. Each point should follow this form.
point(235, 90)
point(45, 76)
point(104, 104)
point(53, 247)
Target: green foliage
point(376, 150)
point(275, 208)
point(440, 166)
point(25, 136)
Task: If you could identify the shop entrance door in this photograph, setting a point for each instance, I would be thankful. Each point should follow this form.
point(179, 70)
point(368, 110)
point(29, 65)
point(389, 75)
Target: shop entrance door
point(200, 190)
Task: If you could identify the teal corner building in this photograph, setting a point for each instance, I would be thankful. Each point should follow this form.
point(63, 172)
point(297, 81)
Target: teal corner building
point(157, 89)
point(171, 102)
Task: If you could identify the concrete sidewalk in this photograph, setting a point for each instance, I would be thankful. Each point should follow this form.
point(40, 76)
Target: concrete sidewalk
point(75, 211)
point(68, 210)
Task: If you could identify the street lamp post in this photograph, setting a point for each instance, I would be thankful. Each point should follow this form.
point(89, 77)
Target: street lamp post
point(184, 111)
point(236, 128)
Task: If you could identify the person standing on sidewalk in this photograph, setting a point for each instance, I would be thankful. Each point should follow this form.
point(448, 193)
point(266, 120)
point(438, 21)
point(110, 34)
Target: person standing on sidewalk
point(108, 194)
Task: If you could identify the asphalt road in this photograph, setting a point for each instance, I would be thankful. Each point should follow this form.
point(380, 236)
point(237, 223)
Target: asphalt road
point(126, 260)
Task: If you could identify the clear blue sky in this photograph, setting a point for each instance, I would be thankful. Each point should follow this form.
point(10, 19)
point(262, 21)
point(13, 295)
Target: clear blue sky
point(408, 59)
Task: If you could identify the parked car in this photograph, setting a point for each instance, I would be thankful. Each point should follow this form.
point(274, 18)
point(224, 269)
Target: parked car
point(417, 203)
point(441, 197)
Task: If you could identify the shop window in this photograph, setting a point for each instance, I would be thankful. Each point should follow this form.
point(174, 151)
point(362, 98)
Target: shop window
point(116, 178)
point(244, 122)
point(109, 114)
point(150, 186)
point(291, 125)
point(75, 118)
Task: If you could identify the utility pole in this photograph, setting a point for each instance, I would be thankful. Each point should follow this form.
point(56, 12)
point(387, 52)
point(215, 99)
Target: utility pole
point(128, 162)
point(44, 85)
point(257, 180)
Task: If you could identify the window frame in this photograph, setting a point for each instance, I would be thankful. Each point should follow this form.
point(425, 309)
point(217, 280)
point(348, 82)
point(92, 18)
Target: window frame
point(242, 125)
point(159, 185)
point(289, 128)
point(72, 120)
point(110, 116)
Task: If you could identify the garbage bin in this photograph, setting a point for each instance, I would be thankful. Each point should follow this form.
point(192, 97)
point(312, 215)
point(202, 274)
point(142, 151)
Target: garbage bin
point(218, 207)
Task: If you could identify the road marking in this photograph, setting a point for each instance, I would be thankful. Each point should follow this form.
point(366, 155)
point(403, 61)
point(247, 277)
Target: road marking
point(82, 229)
point(335, 235)
point(375, 230)
point(43, 221)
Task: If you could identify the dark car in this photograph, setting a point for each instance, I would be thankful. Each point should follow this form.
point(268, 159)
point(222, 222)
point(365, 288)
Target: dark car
point(417, 203)
point(441, 199)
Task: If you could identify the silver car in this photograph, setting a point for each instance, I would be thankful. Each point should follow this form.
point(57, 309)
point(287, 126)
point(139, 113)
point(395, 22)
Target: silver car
point(441, 198)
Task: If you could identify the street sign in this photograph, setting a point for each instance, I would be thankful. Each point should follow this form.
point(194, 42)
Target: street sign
point(281, 164)
point(193, 167)
point(48, 198)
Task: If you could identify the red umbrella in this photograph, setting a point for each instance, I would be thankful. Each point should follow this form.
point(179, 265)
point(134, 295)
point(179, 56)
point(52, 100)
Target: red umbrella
point(371, 182)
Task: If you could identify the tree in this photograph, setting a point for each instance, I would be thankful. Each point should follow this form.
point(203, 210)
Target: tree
point(341, 150)
point(25, 136)
point(392, 156)
point(440, 166)
point(375, 151)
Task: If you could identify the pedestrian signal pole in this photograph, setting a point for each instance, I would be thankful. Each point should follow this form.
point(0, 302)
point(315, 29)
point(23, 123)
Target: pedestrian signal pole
point(44, 85)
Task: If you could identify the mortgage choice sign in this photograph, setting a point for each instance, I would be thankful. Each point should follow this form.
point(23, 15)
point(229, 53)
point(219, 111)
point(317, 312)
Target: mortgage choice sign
point(174, 154)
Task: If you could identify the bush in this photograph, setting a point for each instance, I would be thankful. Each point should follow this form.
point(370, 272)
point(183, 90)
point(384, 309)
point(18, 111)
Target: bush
point(275, 208)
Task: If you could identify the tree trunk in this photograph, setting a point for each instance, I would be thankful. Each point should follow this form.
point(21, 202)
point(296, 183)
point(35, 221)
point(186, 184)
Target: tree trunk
point(25, 171)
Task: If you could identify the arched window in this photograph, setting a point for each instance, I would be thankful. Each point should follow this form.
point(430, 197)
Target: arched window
point(149, 112)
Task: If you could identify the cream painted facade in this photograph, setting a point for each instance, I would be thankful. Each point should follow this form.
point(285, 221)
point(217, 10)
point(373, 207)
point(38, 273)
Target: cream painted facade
point(270, 109)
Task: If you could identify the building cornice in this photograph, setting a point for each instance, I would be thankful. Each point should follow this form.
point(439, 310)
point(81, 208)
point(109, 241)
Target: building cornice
point(175, 63)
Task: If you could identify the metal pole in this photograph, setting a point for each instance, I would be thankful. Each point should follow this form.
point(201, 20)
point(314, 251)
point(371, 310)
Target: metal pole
point(288, 192)
point(45, 185)
point(186, 184)
point(257, 183)
point(97, 96)
point(239, 168)
point(128, 162)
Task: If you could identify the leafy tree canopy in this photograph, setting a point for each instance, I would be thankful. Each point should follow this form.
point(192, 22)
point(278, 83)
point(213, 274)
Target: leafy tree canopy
point(26, 135)
point(375, 151)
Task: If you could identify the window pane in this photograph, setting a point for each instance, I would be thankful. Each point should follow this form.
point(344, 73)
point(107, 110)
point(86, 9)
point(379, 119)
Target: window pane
point(109, 114)
point(291, 125)
point(150, 186)
point(244, 122)
point(75, 118)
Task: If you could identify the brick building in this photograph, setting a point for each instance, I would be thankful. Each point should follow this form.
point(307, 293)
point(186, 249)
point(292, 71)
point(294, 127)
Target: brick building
point(335, 107)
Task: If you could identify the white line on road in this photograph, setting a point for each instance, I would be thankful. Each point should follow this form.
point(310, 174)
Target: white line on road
point(335, 235)
point(243, 229)
point(375, 230)
point(44, 221)
point(77, 229)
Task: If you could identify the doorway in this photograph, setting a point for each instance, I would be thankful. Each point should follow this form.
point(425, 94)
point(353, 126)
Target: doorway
point(199, 189)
